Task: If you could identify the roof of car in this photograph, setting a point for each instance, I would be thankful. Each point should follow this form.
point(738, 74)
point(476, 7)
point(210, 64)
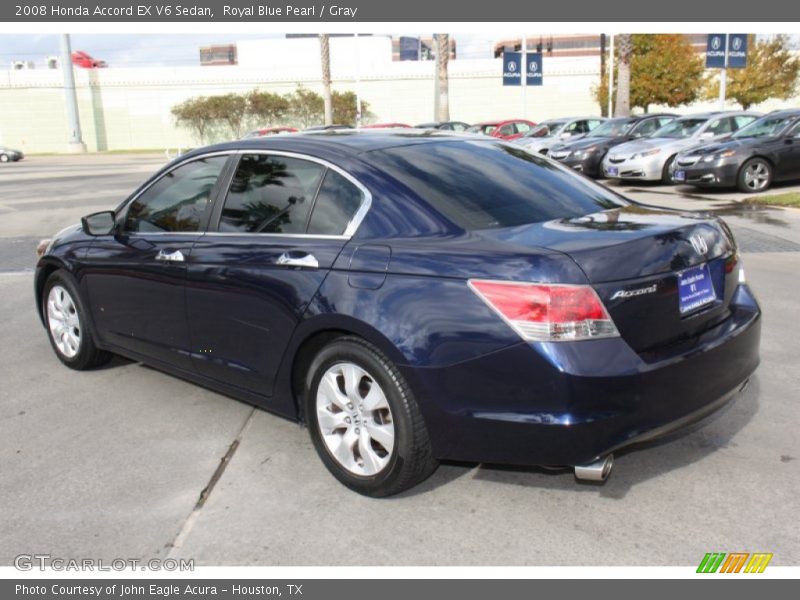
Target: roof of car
point(784, 112)
point(352, 141)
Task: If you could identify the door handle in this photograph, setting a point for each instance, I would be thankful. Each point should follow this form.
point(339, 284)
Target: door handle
point(292, 259)
point(174, 256)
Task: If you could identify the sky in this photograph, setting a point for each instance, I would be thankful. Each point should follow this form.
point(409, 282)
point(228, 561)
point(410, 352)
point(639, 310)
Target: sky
point(136, 50)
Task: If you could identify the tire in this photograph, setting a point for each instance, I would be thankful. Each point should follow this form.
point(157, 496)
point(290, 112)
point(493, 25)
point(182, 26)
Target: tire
point(4, 158)
point(67, 324)
point(754, 176)
point(666, 176)
point(376, 449)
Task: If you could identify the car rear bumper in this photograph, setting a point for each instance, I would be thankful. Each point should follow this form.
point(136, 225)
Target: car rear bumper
point(571, 403)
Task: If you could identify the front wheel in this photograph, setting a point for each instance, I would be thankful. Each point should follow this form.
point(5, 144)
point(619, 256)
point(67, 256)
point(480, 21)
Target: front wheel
point(666, 172)
point(754, 176)
point(4, 158)
point(364, 421)
point(68, 325)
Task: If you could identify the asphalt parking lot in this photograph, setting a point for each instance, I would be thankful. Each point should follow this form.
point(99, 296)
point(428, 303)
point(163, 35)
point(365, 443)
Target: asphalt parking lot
point(120, 462)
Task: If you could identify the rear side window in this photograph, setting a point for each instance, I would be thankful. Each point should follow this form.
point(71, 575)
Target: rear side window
point(270, 194)
point(482, 185)
point(337, 203)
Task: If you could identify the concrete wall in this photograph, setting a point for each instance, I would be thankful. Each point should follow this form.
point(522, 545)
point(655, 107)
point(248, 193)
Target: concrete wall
point(130, 108)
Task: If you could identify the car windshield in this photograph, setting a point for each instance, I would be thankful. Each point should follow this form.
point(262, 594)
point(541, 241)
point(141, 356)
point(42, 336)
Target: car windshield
point(512, 187)
point(546, 129)
point(763, 127)
point(612, 128)
point(680, 128)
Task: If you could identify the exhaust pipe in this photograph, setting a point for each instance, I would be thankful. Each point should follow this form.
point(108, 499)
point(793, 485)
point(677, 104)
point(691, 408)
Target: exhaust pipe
point(599, 470)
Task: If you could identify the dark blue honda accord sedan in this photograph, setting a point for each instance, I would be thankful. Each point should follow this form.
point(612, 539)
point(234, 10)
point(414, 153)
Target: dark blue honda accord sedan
point(412, 297)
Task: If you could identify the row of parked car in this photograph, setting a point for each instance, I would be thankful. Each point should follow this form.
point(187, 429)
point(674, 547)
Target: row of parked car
point(739, 149)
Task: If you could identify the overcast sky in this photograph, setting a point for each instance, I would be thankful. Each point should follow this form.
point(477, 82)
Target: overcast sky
point(136, 50)
point(160, 50)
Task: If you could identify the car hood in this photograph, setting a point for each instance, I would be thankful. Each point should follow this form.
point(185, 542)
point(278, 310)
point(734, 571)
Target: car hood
point(729, 144)
point(665, 144)
point(536, 144)
point(584, 142)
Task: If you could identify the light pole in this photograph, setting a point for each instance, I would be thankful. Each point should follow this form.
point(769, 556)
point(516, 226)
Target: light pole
point(723, 77)
point(75, 143)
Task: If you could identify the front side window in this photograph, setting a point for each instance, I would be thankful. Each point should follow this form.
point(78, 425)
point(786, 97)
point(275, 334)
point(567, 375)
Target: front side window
point(337, 202)
point(270, 194)
point(177, 201)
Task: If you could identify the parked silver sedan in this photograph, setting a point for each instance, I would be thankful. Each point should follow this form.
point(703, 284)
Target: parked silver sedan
point(555, 131)
point(650, 159)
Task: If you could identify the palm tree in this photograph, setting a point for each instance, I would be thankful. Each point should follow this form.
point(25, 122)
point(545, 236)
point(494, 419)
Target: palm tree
point(325, 55)
point(623, 104)
point(442, 43)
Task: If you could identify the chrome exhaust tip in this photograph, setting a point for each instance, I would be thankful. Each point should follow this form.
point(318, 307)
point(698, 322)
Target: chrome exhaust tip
point(599, 470)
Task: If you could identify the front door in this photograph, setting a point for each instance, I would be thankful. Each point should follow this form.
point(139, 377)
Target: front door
point(136, 277)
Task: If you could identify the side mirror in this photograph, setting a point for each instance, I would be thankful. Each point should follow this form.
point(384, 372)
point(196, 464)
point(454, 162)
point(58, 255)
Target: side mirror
point(99, 223)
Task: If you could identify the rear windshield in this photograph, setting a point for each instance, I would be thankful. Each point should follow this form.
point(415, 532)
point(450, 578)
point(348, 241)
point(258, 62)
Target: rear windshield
point(485, 185)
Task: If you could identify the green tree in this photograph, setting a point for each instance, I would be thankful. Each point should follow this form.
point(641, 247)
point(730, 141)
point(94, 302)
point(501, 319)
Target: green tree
point(772, 72)
point(344, 108)
point(664, 69)
point(191, 114)
point(307, 107)
point(266, 108)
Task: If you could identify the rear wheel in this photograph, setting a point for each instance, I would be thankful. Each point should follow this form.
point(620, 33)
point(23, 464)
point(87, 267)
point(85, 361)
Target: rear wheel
point(754, 176)
point(4, 158)
point(68, 325)
point(364, 421)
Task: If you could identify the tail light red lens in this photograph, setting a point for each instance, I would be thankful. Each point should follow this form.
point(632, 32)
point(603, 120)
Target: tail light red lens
point(548, 312)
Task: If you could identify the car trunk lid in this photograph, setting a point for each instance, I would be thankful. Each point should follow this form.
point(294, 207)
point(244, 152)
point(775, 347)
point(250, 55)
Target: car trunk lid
point(640, 260)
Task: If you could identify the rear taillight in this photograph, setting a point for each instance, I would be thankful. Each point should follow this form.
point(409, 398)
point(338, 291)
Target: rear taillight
point(548, 312)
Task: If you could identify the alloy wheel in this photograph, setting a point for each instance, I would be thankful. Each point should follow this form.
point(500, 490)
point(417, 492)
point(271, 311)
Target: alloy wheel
point(63, 321)
point(756, 176)
point(354, 419)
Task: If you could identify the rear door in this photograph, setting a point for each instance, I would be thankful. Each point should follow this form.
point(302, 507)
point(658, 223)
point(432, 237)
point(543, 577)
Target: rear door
point(135, 278)
point(274, 237)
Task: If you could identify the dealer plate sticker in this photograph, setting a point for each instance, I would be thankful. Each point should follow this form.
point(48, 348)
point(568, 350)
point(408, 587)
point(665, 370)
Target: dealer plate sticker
point(680, 176)
point(695, 289)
